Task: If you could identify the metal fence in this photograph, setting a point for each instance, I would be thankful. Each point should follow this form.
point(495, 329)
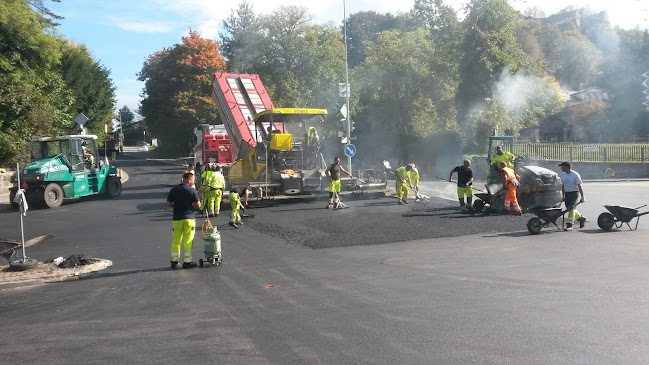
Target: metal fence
point(575, 152)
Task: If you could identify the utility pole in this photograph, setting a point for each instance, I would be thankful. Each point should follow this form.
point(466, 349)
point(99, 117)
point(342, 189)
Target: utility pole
point(349, 125)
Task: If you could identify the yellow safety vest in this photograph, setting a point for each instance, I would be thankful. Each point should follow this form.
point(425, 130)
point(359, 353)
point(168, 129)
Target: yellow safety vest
point(217, 180)
point(506, 157)
point(403, 174)
point(414, 177)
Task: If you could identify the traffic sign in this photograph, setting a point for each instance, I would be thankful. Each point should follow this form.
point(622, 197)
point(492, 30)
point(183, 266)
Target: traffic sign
point(350, 150)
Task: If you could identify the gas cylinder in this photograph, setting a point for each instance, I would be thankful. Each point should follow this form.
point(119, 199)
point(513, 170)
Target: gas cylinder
point(212, 240)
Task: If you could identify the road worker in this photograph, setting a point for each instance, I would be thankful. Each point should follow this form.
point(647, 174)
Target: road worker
point(570, 190)
point(402, 175)
point(500, 156)
point(205, 179)
point(190, 169)
point(216, 184)
point(464, 182)
point(511, 183)
point(183, 199)
point(414, 180)
point(333, 173)
point(235, 202)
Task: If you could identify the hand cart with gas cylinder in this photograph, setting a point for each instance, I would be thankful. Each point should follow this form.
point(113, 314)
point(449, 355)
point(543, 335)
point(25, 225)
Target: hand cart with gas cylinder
point(212, 244)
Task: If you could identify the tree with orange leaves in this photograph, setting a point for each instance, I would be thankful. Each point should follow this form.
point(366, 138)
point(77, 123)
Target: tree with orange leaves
point(176, 93)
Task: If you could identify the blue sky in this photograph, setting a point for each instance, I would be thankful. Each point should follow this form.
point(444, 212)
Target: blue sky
point(121, 34)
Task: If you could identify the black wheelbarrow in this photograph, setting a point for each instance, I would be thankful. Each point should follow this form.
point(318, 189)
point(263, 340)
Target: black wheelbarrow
point(618, 216)
point(8, 250)
point(545, 217)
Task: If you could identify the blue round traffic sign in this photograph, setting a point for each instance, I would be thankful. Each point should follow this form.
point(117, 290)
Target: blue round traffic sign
point(350, 150)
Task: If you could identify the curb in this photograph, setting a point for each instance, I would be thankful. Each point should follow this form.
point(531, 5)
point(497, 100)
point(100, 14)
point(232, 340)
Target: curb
point(47, 273)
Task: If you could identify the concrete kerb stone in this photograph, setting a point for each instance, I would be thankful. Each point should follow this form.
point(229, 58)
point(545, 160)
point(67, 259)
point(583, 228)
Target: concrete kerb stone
point(45, 273)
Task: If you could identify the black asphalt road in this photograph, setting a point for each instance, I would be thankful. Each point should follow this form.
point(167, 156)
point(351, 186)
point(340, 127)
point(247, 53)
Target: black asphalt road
point(498, 297)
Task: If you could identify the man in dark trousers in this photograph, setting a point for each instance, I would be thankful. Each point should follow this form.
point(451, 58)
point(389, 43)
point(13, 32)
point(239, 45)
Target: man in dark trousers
point(333, 172)
point(464, 182)
point(183, 198)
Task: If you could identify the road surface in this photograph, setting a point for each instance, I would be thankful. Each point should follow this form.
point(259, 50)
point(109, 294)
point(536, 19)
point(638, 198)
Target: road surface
point(376, 283)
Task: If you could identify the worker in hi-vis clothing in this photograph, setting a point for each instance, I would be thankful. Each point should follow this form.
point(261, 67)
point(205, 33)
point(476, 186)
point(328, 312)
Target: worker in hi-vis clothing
point(464, 182)
point(414, 180)
point(235, 202)
point(511, 182)
point(183, 198)
point(500, 156)
point(205, 180)
point(402, 175)
point(190, 169)
point(215, 191)
point(333, 173)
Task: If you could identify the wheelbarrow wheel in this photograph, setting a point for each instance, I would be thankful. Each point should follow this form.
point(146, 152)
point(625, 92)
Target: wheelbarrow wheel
point(534, 225)
point(606, 221)
point(200, 262)
point(478, 205)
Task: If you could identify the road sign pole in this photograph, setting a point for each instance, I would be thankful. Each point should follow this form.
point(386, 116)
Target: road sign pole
point(349, 126)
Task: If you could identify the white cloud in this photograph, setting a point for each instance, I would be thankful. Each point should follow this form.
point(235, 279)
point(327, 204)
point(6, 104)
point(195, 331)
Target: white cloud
point(126, 24)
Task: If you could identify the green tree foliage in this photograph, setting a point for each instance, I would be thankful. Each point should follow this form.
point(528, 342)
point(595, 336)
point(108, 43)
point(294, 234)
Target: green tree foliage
point(489, 47)
point(130, 127)
point(589, 122)
point(90, 85)
point(579, 61)
point(177, 91)
point(363, 27)
point(398, 92)
point(35, 100)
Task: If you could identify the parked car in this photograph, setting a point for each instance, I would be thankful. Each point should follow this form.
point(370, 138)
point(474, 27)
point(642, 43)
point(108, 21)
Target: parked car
point(142, 144)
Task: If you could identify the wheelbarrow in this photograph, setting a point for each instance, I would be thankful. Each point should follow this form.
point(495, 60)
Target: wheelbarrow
point(8, 250)
point(545, 217)
point(618, 216)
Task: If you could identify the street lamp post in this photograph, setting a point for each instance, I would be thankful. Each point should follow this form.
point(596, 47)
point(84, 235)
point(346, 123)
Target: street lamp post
point(349, 126)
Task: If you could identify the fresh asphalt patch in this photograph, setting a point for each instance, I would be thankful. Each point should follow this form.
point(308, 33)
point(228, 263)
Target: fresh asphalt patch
point(378, 221)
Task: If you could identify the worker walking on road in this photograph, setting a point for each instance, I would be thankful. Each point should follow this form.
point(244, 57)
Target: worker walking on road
point(333, 173)
point(500, 156)
point(511, 182)
point(235, 202)
point(216, 184)
point(402, 175)
point(206, 176)
point(414, 180)
point(464, 182)
point(570, 190)
point(183, 198)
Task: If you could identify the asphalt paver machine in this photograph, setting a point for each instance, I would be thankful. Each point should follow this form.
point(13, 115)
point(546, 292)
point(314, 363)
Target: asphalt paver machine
point(66, 167)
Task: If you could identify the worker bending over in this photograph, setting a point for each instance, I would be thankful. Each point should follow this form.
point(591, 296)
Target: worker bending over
point(183, 198)
point(402, 175)
point(235, 202)
point(501, 156)
point(570, 190)
point(464, 182)
point(333, 173)
point(511, 182)
point(215, 186)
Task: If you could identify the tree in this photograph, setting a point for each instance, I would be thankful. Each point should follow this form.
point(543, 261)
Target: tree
point(35, 101)
point(177, 90)
point(364, 27)
point(579, 61)
point(489, 47)
point(242, 39)
point(90, 85)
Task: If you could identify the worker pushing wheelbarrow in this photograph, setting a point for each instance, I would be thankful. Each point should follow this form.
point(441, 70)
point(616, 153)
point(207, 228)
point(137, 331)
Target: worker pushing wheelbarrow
point(548, 216)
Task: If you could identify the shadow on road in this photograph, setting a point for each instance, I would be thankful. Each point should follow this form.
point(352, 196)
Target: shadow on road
point(124, 273)
point(146, 187)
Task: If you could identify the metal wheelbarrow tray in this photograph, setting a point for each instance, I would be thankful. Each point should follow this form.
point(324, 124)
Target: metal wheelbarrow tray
point(545, 217)
point(618, 216)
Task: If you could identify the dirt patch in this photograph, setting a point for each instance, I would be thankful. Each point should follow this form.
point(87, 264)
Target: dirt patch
point(48, 272)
